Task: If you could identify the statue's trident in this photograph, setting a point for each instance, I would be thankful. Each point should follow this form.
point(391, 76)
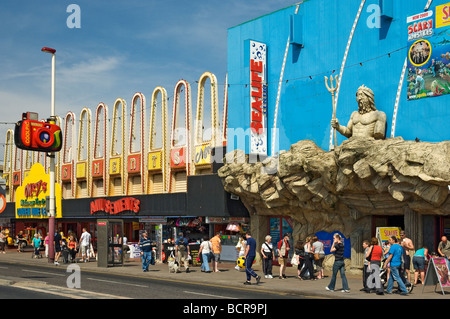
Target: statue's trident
point(333, 89)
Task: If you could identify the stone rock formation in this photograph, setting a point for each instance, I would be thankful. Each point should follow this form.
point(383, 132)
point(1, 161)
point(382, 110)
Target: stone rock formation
point(341, 189)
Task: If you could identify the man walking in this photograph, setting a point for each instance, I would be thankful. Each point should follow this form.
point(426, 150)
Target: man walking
point(146, 251)
point(85, 241)
point(182, 251)
point(250, 254)
point(395, 259)
point(407, 246)
point(217, 249)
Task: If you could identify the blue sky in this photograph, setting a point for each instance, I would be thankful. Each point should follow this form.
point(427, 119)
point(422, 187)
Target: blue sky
point(122, 47)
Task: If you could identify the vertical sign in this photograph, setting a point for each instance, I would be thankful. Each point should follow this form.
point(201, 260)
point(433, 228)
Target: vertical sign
point(258, 98)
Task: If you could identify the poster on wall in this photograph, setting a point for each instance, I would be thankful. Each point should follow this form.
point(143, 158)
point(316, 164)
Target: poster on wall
point(428, 73)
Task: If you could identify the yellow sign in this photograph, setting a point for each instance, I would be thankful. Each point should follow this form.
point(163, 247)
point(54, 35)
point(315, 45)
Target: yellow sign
point(81, 170)
point(114, 166)
point(154, 160)
point(202, 154)
point(383, 233)
point(443, 15)
point(31, 196)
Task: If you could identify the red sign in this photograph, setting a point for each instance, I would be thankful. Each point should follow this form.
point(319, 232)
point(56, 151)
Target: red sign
point(118, 206)
point(97, 168)
point(16, 179)
point(134, 163)
point(33, 189)
point(177, 159)
point(66, 172)
point(256, 69)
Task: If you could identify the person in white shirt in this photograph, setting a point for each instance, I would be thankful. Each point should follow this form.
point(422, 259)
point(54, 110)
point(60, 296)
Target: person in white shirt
point(268, 256)
point(85, 241)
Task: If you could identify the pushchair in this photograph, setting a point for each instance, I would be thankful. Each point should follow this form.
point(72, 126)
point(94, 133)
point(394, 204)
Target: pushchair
point(384, 279)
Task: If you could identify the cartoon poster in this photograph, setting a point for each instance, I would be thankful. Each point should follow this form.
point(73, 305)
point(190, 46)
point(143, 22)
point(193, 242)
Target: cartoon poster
point(428, 72)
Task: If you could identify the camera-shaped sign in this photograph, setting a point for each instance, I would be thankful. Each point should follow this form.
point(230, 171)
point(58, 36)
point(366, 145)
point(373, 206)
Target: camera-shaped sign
point(34, 135)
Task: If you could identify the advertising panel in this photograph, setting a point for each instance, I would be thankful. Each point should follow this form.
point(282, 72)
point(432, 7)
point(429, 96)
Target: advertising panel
point(429, 53)
point(258, 98)
point(31, 196)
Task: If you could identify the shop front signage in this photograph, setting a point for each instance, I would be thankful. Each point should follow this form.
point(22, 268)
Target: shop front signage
point(31, 197)
point(258, 97)
point(115, 207)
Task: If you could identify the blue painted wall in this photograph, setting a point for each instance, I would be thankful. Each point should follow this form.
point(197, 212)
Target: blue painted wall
point(305, 107)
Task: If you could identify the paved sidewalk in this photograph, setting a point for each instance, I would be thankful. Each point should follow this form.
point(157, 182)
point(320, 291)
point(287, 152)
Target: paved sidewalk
point(230, 277)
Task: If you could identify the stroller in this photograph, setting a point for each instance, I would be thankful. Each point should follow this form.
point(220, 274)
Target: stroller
point(384, 279)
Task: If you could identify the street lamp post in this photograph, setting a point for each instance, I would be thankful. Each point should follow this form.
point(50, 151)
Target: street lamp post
point(51, 213)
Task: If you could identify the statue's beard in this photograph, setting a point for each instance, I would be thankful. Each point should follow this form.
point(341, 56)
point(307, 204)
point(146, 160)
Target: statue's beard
point(364, 107)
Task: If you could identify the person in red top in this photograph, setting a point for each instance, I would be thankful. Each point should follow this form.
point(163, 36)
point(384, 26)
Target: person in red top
point(374, 255)
point(283, 251)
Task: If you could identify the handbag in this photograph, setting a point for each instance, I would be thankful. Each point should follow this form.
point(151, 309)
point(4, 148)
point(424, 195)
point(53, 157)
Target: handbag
point(294, 260)
point(316, 256)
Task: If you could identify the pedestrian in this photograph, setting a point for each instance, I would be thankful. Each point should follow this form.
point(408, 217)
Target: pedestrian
point(374, 255)
point(319, 256)
point(386, 255)
point(339, 264)
point(240, 247)
point(299, 250)
point(205, 254)
point(283, 253)
point(407, 246)
point(3, 239)
point(268, 257)
point(250, 254)
point(182, 251)
point(419, 259)
point(21, 242)
point(444, 249)
point(73, 246)
point(309, 258)
point(395, 260)
point(85, 241)
point(46, 245)
point(57, 242)
point(217, 249)
point(365, 272)
point(146, 251)
point(36, 245)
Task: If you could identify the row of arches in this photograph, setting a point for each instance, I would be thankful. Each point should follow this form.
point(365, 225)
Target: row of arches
point(128, 154)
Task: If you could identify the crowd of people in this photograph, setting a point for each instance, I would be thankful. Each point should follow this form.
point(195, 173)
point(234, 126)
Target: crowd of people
point(66, 247)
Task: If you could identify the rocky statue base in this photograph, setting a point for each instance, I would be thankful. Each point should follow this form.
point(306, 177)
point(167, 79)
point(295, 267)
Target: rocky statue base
point(340, 190)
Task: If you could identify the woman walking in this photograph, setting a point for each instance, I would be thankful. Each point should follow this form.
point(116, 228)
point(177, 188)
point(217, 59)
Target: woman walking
point(299, 250)
point(268, 257)
point(309, 257)
point(374, 254)
point(339, 265)
point(204, 252)
point(319, 256)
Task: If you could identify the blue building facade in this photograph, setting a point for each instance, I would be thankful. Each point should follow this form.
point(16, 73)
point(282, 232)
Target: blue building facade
point(306, 42)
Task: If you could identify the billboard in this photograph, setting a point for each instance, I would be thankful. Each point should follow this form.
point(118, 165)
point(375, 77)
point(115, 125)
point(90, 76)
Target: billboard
point(429, 53)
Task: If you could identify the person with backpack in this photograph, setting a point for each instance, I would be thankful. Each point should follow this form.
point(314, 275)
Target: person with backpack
point(182, 251)
point(283, 249)
point(268, 257)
